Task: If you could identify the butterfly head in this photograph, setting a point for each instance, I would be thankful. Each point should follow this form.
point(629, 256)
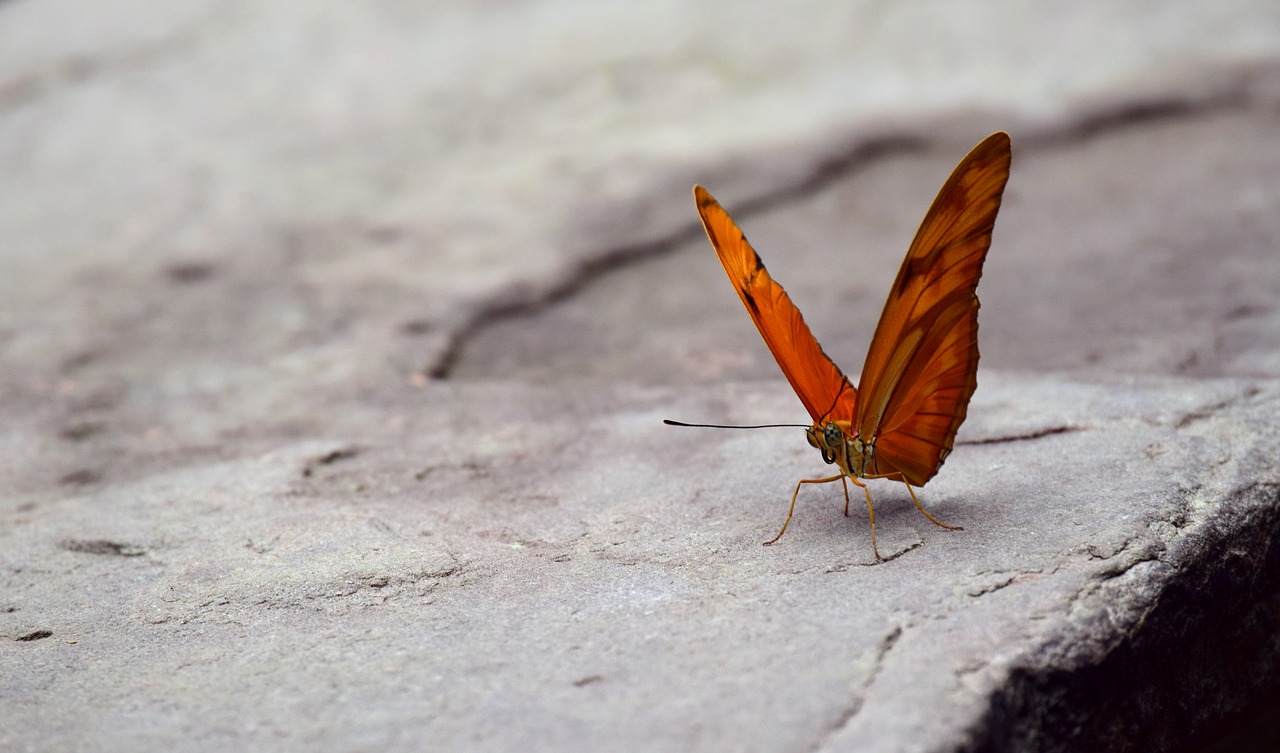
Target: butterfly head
point(840, 445)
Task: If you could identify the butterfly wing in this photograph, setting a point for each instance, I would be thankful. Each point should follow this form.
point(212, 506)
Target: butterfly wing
point(818, 382)
point(921, 368)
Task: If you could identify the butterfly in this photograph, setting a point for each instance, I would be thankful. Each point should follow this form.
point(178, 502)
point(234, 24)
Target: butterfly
point(900, 421)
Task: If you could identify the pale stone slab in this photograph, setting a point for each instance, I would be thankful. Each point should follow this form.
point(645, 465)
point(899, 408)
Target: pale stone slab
point(555, 570)
point(237, 238)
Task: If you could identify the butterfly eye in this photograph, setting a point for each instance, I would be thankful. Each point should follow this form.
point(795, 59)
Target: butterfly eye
point(832, 436)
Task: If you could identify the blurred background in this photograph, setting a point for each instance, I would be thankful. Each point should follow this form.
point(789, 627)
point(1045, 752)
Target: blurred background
point(209, 196)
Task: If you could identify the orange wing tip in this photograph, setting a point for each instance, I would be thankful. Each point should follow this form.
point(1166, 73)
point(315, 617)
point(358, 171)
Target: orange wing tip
point(703, 198)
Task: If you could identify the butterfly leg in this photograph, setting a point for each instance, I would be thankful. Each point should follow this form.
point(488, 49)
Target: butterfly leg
point(795, 494)
point(844, 481)
point(871, 514)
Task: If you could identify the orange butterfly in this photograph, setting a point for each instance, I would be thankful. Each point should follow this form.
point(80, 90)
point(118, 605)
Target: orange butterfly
point(922, 364)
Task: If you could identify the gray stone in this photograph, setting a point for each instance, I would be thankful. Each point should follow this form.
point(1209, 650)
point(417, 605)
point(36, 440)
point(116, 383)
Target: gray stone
point(528, 564)
point(335, 341)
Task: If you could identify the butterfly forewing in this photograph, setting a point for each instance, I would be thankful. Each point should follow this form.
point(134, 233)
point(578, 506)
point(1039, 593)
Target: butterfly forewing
point(921, 368)
point(818, 382)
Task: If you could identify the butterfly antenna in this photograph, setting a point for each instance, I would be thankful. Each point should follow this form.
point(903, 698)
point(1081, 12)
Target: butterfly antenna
point(669, 422)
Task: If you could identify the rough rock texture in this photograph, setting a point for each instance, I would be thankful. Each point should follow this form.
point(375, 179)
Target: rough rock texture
point(335, 341)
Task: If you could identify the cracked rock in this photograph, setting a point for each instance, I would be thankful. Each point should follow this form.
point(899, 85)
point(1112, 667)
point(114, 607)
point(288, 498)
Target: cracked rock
point(335, 341)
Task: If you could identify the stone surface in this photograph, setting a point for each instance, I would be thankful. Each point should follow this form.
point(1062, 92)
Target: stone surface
point(335, 341)
point(520, 563)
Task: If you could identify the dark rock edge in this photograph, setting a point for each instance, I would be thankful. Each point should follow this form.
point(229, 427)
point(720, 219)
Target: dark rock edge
point(1206, 649)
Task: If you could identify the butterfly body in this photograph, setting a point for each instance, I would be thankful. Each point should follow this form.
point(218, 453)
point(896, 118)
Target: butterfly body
point(921, 368)
point(850, 453)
